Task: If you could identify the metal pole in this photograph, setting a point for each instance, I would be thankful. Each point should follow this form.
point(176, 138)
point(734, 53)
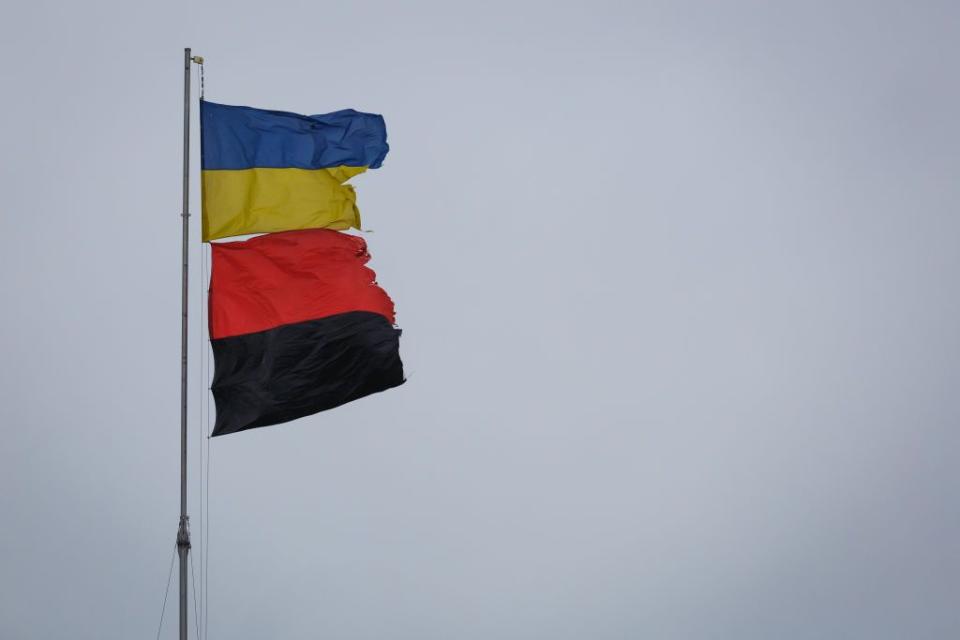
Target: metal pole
point(183, 532)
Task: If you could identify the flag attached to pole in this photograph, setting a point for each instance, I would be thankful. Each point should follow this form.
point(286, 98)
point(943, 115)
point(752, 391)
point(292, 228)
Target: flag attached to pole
point(265, 171)
point(298, 325)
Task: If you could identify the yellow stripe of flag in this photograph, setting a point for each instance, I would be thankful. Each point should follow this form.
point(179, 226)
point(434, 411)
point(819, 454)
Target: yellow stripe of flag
point(244, 201)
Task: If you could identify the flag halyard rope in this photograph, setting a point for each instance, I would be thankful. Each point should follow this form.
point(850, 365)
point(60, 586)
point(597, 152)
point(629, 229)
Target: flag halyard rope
point(163, 609)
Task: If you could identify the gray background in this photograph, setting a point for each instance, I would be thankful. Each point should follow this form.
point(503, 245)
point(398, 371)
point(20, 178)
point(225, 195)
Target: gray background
point(679, 290)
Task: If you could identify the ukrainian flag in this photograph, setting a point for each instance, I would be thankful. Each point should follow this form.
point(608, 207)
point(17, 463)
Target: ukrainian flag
point(266, 171)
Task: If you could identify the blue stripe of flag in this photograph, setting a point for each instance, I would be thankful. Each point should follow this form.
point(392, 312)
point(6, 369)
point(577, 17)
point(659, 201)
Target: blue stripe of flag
point(246, 138)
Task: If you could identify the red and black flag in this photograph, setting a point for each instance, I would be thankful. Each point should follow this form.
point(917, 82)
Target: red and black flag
point(298, 325)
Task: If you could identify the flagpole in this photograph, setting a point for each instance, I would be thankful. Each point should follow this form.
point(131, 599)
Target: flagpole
point(183, 531)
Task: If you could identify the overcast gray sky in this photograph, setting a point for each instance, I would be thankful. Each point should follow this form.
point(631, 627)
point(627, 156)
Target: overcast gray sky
point(678, 284)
